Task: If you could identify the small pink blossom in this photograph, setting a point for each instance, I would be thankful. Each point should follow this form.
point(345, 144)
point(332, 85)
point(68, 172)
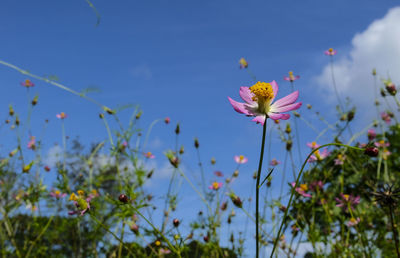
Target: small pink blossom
point(274, 162)
point(47, 168)
point(371, 134)
point(382, 144)
point(347, 199)
point(57, 194)
point(302, 190)
point(330, 52)
point(27, 83)
point(340, 159)
point(167, 120)
point(316, 185)
point(317, 156)
point(291, 77)
point(259, 100)
point(149, 155)
point(62, 115)
point(215, 186)
point(386, 117)
point(313, 145)
point(31, 143)
point(240, 159)
point(352, 222)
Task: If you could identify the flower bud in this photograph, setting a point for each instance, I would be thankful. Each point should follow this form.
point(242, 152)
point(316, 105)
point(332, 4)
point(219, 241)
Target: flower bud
point(35, 100)
point(181, 150)
point(289, 144)
point(138, 115)
point(350, 115)
point(213, 161)
point(296, 114)
point(288, 130)
point(177, 129)
point(10, 110)
point(101, 115)
point(196, 143)
point(371, 151)
point(309, 106)
point(236, 173)
point(123, 198)
point(374, 72)
point(176, 222)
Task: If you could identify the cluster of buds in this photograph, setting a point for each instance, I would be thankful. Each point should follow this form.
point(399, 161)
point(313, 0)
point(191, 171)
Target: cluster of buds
point(390, 87)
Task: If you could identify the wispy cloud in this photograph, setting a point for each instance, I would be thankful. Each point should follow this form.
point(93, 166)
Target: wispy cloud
point(142, 72)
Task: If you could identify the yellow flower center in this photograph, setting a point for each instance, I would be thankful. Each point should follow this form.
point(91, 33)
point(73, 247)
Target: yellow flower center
point(73, 197)
point(263, 94)
point(304, 187)
point(291, 76)
point(94, 192)
point(382, 142)
point(353, 220)
point(314, 144)
point(330, 50)
point(158, 243)
point(80, 192)
point(346, 197)
point(241, 157)
point(215, 185)
point(57, 192)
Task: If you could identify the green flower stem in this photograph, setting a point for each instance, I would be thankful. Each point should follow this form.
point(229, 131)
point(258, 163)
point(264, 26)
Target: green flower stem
point(176, 251)
point(297, 183)
point(394, 230)
point(64, 140)
point(39, 236)
point(109, 231)
point(257, 186)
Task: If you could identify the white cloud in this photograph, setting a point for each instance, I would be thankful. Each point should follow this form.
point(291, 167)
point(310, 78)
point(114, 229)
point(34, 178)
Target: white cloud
point(376, 47)
point(53, 156)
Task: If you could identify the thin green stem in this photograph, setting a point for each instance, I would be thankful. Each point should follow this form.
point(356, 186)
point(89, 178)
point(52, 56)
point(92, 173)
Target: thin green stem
point(257, 185)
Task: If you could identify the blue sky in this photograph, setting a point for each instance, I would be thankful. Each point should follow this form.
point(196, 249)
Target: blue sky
point(176, 59)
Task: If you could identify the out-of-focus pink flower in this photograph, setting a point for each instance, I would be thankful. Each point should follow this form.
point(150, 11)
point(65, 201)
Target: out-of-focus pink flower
point(82, 205)
point(258, 102)
point(243, 63)
point(164, 251)
point(274, 162)
point(31, 143)
point(386, 117)
point(291, 77)
point(149, 155)
point(57, 194)
point(302, 190)
point(47, 168)
point(317, 156)
point(347, 200)
point(240, 159)
point(316, 185)
point(167, 120)
point(340, 159)
point(382, 144)
point(62, 115)
point(218, 174)
point(385, 154)
point(352, 222)
point(27, 83)
point(313, 145)
point(371, 134)
point(215, 186)
point(330, 52)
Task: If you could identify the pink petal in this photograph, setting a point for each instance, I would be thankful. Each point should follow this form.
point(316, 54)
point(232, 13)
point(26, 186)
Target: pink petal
point(240, 107)
point(275, 89)
point(289, 99)
point(259, 119)
point(277, 116)
point(286, 108)
point(286, 78)
point(246, 94)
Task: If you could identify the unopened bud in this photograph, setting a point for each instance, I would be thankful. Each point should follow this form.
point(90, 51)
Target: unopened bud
point(176, 222)
point(288, 130)
point(123, 198)
point(101, 115)
point(374, 72)
point(181, 150)
point(138, 115)
point(289, 144)
point(236, 173)
point(10, 110)
point(35, 100)
point(296, 114)
point(371, 151)
point(350, 115)
point(177, 129)
point(309, 106)
point(213, 161)
point(196, 143)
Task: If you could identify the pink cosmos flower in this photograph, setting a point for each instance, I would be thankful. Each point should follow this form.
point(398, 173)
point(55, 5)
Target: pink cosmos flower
point(313, 145)
point(218, 174)
point(27, 83)
point(62, 115)
point(347, 199)
point(291, 77)
point(57, 194)
point(382, 144)
point(243, 63)
point(215, 186)
point(302, 189)
point(258, 102)
point(352, 222)
point(317, 156)
point(385, 154)
point(340, 159)
point(330, 52)
point(31, 143)
point(149, 155)
point(274, 162)
point(240, 159)
point(371, 134)
point(386, 117)
point(82, 205)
